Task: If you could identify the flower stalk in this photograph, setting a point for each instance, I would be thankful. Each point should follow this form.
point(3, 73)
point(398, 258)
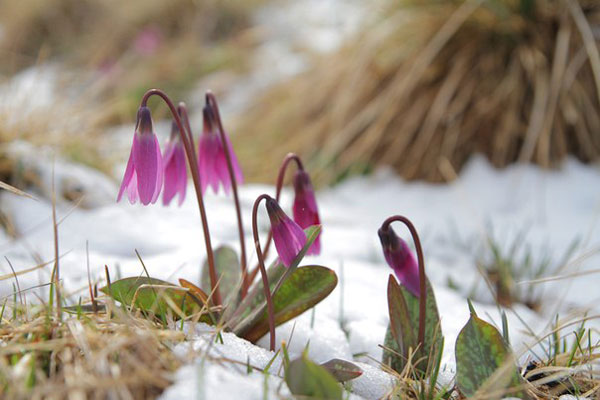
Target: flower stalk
point(187, 140)
point(422, 289)
point(212, 102)
point(263, 272)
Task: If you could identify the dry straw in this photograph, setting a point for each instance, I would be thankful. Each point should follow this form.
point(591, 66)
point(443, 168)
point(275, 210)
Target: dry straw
point(516, 80)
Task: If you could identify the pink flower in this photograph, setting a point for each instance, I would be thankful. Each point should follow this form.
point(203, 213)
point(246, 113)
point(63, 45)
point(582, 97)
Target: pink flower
point(148, 41)
point(289, 238)
point(211, 156)
point(400, 259)
point(175, 170)
point(143, 177)
point(305, 207)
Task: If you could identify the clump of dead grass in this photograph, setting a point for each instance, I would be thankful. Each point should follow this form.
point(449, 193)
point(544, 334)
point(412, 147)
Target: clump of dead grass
point(102, 355)
point(515, 80)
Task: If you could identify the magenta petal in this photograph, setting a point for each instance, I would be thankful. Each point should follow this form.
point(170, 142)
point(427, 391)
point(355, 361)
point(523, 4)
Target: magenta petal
point(305, 207)
point(147, 164)
point(288, 237)
point(222, 169)
point(181, 173)
point(160, 172)
point(132, 190)
point(400, 259)
point(127, 177)
point(237, 171)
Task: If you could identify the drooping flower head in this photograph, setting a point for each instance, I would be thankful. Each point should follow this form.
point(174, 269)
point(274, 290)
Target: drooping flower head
point(143, 177)
point(305, 207)
point(175, 169)
point(211, 155)
point(400, 259)
point(289, 238)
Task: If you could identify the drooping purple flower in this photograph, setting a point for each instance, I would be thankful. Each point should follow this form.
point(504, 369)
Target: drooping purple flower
point(289, 238)
point(211, 156)
point(305, 207)
point(175, 170)
point(143, 177)
point(400, 259)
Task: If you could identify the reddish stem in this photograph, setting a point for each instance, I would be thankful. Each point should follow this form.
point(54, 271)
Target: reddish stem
point(212, 101)
point(263, 272)
point(193, 163)
point(286, 161)
point(422, 288)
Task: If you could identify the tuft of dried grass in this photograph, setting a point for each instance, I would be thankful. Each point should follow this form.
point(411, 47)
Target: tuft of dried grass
point(85, 356)
point(515, 80)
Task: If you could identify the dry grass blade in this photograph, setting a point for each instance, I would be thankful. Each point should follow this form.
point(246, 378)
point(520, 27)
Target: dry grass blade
point(432, 80)
point(16, 191)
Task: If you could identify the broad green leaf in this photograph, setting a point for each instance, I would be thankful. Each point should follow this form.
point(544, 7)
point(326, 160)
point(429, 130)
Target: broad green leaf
point(404, 329)
point(153, 295)
point(251, 306)
point(482, 353)
point(309, 380)
point(229, 275)
point(342, 370)
point(305, 287)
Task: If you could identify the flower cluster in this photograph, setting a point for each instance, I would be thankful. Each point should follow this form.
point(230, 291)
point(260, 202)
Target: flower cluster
point(149, 172)
point(147, 168)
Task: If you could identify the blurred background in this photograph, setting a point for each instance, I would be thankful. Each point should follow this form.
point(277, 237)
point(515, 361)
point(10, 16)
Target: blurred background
point(349, 85)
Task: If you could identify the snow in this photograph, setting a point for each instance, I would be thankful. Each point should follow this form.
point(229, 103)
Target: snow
point(555, 206)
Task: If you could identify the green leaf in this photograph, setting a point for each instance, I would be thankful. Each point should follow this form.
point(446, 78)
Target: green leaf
point(305, 287)
point(484, 360)
point(154, 295)
point(342, 370)
point(403, 330)
point(277, 273)
point(310, 380)
point(229, 275)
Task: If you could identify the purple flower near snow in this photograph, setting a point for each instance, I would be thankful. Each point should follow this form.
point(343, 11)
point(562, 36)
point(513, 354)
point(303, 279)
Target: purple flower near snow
point(400, 259)
point(211, 156)
point(289, 238)
point(175, 169)
point(143, 177)
point(305, 207)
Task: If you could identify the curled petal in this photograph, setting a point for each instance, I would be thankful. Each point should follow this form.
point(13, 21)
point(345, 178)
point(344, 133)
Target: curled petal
point(127, 177)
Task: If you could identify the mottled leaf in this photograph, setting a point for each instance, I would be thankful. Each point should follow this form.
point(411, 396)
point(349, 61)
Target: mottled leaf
point(309, 380)
point(305, 287)
point(229, 275)
point(153, 295)
point(480, 352)
point(404, 329)
point(342, 370)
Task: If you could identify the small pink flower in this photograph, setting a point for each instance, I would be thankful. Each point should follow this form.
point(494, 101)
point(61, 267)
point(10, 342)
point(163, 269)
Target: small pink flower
point(211, 156)
point(305, 207)
point(400, 259)
point(175, 170)
point(148, 41)
point(289, 238)
point(143, 177)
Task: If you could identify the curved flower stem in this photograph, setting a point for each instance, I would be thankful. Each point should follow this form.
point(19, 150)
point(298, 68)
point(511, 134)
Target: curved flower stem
point(286, 161)
point(422, 288)
point(263, 272)
point(182, 110)
point(212, 101)
point(188, 145)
